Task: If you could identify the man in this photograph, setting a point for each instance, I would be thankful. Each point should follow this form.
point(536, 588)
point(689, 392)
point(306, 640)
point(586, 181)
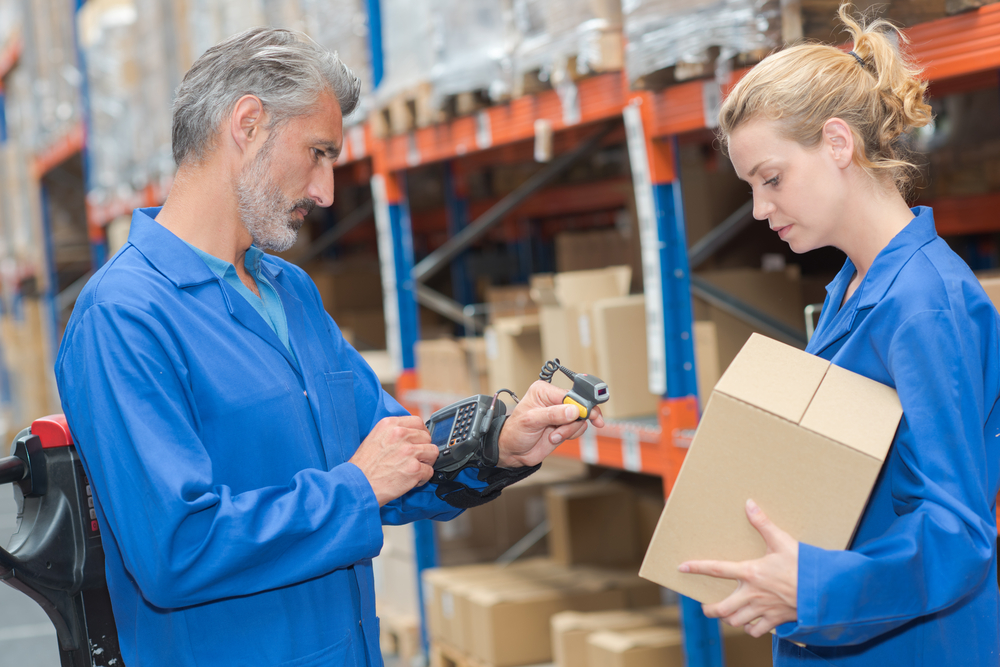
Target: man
point(243, 456)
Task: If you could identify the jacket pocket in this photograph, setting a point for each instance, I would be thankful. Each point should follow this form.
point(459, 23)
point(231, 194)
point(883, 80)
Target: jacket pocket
point(343, 413)
point(337, 654)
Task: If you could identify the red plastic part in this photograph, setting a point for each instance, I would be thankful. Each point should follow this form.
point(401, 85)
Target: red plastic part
point(53, 431)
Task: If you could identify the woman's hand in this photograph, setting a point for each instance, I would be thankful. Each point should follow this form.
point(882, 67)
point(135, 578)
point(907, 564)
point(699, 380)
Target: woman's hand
point(766, 595)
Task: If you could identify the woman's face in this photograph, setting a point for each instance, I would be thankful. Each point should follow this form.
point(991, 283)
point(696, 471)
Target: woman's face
point(798, 190)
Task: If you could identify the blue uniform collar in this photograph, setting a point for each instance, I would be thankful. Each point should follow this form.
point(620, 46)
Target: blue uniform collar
point(174, 259)
point(887, 265)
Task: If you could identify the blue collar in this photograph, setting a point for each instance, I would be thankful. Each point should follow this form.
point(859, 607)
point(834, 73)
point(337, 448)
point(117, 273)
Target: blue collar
point(175, 259)
point(887, 265)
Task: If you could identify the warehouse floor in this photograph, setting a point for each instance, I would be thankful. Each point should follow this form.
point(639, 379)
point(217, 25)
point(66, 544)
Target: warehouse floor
point(27, 638)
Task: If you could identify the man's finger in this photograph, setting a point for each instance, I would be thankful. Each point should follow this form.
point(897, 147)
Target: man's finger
point(714, 568)
point(596, 418)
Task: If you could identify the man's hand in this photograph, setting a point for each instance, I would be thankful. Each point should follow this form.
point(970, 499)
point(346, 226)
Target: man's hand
point(539, 424)
point(396, 456)
point(766, 595)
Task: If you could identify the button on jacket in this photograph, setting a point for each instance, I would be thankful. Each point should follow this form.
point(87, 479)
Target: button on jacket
point(919, 583)
point(235, 530)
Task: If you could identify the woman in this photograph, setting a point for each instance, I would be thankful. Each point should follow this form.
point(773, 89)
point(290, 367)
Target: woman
point(818, 133)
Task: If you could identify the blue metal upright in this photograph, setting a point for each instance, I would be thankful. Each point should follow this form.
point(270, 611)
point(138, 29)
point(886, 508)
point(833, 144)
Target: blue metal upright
point(3, 118)
point(670, 341)
point(98, 239)
point(457, 209)
point(375, 41)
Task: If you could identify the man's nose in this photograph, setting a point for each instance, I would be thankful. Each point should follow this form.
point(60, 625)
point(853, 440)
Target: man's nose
point(321, 190)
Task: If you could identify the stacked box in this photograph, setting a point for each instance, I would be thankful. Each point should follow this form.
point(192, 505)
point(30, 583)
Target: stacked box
point(668, 33)
point(452, 366)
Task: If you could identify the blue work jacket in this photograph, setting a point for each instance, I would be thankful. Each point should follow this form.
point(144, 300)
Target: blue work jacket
point(235, 530)
point(918, 586)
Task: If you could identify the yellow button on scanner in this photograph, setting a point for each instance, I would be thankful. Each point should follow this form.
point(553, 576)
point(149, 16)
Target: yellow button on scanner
point(584, 412)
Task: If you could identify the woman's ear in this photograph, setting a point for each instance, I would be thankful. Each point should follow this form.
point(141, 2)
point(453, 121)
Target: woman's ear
point(838, 142)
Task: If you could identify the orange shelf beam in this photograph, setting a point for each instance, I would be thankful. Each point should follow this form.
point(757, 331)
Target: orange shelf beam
point(60, 150)
point(958, 45)
point(974, 214)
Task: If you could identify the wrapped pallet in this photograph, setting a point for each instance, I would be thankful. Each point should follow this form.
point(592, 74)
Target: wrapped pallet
point(693, 35)
point(568, 37)
point(474, 41)
point(342, 26)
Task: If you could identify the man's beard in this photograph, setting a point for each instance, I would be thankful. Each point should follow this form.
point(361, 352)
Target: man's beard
point(266, 212)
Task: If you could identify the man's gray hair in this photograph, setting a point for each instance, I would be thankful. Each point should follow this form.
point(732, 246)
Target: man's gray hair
point(286, 69)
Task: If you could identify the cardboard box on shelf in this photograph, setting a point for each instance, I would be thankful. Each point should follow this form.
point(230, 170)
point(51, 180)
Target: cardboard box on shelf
point(484, 533)
point(778, 294)
point(565, 313)
point(396, 584)
point(592, 523)
point(364, 328)
point(802, 438)
point(499, 613)
point(513, 352)
point(662, 646)
point(347, 286)
point(619, 327)
point(706, 358)
point(570, 629)
point(584, 250)
point(509, 301)
point(452, 366)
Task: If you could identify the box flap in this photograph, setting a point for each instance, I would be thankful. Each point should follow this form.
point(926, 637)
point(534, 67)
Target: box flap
point(577, 287)
point(621, 641)
point(855, 411)
point(774, 377)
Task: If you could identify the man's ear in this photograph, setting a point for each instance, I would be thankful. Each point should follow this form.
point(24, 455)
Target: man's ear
point(246, 122)
point(838, 142)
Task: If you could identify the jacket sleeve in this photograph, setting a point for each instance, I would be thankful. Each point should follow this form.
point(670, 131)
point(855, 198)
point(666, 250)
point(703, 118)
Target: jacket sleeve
point(185, 539)
point(938, 547)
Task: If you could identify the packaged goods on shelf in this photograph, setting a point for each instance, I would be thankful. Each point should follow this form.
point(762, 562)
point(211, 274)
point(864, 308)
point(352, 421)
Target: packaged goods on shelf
point(662, 647)
point(477, 609)
point(619, 332)
point(342, 26)
point(773, 431)
point(211, 21)
point(452, 366)
point(584, 250)
point(473, 42)
point(781, 294)
point(27, 360)
point(688, 35)
point(566, 317)
point(10, 25)
point(592, 523)
point(514, 352)
point(21, 248)
point(49, 59)
point(570, 629)
point(567, 38)
point(408, 56)
point(509, 301)
point(485, 533)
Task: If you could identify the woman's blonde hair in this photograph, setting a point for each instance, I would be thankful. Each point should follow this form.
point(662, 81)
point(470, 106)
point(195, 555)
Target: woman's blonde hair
point(879, 96)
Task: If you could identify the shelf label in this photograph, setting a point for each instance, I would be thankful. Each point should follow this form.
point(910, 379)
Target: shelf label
point(631, 452)
point(588, 446)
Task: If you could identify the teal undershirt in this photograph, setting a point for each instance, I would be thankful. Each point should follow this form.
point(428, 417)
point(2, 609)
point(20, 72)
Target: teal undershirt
point(268, 304)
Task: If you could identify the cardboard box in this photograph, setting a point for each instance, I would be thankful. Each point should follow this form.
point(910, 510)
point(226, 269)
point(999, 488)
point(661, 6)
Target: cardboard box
point(452, 366)
point(570, 629)
point(509, 301)
point(781, 295)
point(486, 532)
point(592, 523)
point(803, 438)
point(663, 647)
point(620, 352)
point(584, 250)
point(706, 358)
point(511, 625)
point(565, 317)
point(514, 353)
point(396, 584)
